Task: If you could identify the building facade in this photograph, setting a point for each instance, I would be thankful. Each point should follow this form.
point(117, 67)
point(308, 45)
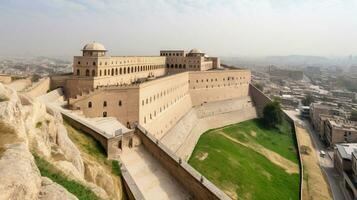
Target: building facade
point(152, 91)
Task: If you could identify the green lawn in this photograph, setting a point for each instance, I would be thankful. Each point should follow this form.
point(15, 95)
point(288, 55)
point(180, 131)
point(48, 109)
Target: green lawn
point(281, 140)
point(235, 168)
point(74, 187)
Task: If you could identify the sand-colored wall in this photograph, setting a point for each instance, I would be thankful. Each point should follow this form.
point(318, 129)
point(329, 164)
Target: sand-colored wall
point(120, 103)
point(159, 104)
point(218, 85)
point(39, 88)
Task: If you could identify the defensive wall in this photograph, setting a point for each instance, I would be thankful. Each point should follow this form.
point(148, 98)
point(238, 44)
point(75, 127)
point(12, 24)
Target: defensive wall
point(198, 186)
point(38, 88)
point(159, 104)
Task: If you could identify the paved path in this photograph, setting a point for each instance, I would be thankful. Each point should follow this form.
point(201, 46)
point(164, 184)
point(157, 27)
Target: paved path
point(326, 163)
point(152, 179)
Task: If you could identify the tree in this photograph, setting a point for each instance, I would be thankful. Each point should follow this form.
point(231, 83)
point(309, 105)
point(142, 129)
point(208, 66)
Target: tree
point(35, 78)
point(259, 86)
point(353, 115)
point(307, 100)
point(272, 114)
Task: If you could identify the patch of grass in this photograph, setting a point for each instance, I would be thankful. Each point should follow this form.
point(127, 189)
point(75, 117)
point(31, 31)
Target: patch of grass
point(233, 167)
point(38, 124)
point(280, 140)
point(74, 187)
point(88, 144)
point(116, 168)
point(3, 98)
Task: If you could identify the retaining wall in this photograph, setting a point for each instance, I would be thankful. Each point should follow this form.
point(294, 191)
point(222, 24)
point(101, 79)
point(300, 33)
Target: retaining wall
point(39, 88)
point(198, 186)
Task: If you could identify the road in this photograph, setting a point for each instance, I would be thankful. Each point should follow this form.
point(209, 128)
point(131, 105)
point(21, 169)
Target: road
point(326, 163)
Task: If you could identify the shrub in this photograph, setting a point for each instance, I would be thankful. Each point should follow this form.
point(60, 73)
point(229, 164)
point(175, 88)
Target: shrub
point(272, 114)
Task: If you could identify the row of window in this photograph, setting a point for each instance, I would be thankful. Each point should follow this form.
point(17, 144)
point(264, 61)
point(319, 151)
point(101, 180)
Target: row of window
point(119, 71)
point(180, 66)
point(171, 54)
point(105, 104)
point(162, 108)
point(223, 79)
point(161, 94)
point(224, 85)
point(115, 63)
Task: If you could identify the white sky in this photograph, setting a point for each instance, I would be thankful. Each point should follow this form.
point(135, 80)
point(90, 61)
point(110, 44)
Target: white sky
point(143, 27)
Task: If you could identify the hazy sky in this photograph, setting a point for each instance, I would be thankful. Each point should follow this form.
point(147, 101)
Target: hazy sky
point(143, 27)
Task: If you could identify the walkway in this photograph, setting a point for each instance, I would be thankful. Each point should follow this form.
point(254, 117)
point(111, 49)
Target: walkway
point(317, 168)
point(152, 179)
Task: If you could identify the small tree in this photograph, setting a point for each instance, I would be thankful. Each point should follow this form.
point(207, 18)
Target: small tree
point(272, 114)
point(307, 100)
point(353, 115)
point(259, 86)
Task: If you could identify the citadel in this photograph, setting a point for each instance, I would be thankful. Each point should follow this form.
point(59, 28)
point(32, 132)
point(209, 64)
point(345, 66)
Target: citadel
point(149, 112)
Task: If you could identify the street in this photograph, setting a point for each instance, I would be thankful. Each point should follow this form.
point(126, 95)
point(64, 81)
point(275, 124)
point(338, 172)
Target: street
point(326, 162)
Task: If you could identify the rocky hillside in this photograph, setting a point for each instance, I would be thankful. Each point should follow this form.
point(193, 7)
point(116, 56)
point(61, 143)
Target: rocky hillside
point(27, 129)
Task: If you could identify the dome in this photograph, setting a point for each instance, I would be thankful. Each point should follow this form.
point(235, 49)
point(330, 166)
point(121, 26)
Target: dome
point(94, 46)
point(195, 51)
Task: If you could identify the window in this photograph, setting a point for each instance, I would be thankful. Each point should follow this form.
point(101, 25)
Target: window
point(93, 63)
point(104, 114)
point(89, 104)
point(79, 62)
point(93, 72)
point(100, 72)
point(78, 72)
point(119, 103)
point(105, 104)
point(87, 72)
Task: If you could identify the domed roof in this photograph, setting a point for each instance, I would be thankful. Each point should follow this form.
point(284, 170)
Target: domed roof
point(94, 46)
point(195, 51)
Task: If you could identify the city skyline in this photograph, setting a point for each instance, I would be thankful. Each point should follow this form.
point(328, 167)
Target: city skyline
point(224, 28)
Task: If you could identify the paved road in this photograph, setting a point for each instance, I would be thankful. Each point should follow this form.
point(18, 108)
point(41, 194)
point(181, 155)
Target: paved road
point(325, 163)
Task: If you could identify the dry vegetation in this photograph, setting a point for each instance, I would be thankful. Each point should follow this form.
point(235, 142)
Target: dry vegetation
point(314, 185)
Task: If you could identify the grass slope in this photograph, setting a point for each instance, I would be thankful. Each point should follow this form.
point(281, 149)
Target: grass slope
point(74, 187)
point(280, 140)
point(241, 172)
point(92, 148)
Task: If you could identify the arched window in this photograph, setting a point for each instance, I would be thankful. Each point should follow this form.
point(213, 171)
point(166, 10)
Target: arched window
point(100, 72)
point(87, 72)
point(116, 71)
point(120, 71)
point(105, 104)
point(112, 72)
point(124, 70)
point(93, 72)
point(104, 114)
point(89, 104)
point(180, 66)
point(105, 72)
point(132, 69)
point(184, 66)
point(172, 65)
point(119, 102)
point(93, 63)
point(78, 72)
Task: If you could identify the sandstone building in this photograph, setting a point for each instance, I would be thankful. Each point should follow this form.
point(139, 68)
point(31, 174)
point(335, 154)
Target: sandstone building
point(148, 90)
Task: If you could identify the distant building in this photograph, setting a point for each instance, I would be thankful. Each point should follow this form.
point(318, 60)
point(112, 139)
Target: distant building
point(339, 130)
point(305, 111)
point(345, 163)
point(344, 94)
point(281, 74)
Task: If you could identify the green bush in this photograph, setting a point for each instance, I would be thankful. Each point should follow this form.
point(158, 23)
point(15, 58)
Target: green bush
point(116, 168)
point(272, 114)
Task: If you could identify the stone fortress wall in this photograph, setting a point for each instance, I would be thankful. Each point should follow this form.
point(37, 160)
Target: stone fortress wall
point(159, 104)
